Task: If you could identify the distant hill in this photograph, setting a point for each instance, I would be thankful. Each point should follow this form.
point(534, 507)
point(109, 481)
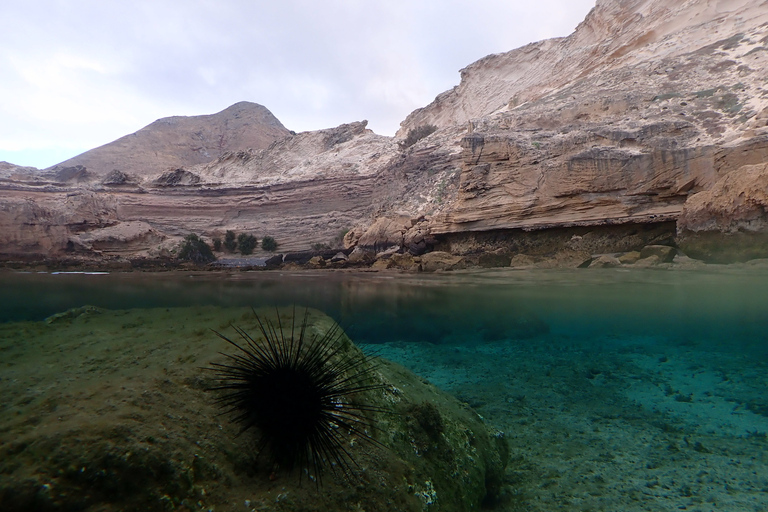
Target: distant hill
point(177, 141)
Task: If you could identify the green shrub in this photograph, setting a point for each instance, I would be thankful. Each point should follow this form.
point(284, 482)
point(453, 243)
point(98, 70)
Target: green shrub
point(268, 243)
point(229, 241)
point(247, 243)
point(196, 250)
point(319, 246)
point(416, 134)
point(217, 244)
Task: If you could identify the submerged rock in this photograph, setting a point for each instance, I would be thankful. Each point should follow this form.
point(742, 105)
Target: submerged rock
point(150, 437)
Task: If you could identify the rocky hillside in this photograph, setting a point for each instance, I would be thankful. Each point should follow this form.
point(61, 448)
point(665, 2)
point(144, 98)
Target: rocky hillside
point(647, 125)
point(174, 142)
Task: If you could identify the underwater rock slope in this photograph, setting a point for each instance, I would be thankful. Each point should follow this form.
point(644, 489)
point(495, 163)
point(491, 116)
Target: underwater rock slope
point(120, 416)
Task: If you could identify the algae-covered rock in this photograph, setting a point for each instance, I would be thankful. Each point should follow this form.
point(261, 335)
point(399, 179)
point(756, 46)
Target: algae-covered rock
point(439, 260)
point(119, 417)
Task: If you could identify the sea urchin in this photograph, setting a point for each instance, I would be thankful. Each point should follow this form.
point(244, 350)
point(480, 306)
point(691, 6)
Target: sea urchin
point(300, 392)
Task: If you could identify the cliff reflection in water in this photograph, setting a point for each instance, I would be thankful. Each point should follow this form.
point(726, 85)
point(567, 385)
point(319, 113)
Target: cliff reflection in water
point(726, 306)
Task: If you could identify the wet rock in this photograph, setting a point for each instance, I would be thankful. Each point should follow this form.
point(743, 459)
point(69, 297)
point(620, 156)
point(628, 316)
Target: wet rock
point(339, 257)
point(665, 253)
point(494, 259)
point(361, 256)
point(406, 261)
point(605, 261)
point(628, 258)
point(438, 260)
point(274, 261)
point(651, 261)
point(522, 261)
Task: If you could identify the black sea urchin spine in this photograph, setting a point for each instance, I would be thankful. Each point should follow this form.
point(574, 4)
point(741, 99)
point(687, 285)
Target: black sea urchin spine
point(301, 394)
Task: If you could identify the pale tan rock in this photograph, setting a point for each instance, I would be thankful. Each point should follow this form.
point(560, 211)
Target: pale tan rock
point(522, 261)
point(385, 233)
point(136, 238)
point(605, 261)
point(617, 36)
point(737, 201)
point(649, 261)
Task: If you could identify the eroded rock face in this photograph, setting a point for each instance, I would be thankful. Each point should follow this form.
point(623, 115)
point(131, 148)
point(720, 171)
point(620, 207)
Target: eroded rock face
point(646, 104)
point(730, 220)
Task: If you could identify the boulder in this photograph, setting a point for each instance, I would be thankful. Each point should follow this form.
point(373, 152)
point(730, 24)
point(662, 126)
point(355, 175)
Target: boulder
point(605, 261)
point(628, 258)
point(316, 262)
point(385, 233)
point(406, 261)
point(418, 239)
point(339, 257)
point(650, 261)
point(383, 264)
point(361, 256)
point(665, 253)
point(522, 261)
point(439, 260)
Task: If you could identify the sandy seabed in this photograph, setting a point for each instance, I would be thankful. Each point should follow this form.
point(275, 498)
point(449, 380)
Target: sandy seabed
point(615, 424)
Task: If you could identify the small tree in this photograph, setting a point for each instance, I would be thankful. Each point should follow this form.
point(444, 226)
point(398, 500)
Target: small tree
point(247, 243)
point(217, 244)
point(229, 241)
point(196, 250)
point(268, 243)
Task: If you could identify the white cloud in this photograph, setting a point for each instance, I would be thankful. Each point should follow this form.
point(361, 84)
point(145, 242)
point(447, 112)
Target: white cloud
point(77, 74)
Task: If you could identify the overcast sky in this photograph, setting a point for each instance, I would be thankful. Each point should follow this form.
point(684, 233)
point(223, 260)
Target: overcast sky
point(76, 74)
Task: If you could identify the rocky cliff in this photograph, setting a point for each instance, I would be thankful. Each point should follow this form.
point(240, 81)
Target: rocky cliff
point(646, 105)
point(647, 125)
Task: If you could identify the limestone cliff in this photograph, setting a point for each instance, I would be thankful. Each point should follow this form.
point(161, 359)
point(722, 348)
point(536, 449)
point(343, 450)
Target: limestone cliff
point(645, 105)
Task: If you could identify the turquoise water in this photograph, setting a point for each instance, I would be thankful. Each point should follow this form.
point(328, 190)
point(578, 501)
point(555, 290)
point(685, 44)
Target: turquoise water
point(728, 307)
point(617, 389)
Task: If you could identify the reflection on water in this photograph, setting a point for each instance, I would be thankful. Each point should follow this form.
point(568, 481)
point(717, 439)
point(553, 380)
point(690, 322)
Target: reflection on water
point(728, 306)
